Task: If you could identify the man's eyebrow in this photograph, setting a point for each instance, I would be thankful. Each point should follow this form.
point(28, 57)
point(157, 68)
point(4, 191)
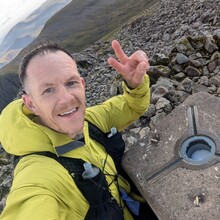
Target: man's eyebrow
point(48, 84)
point(73, 78)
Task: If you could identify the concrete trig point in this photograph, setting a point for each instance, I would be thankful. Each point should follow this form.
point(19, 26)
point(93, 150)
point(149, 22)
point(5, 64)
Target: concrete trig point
point(177, 167)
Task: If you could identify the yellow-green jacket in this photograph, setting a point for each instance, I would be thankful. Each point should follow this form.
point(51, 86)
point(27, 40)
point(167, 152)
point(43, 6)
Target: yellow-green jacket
point(42, 189)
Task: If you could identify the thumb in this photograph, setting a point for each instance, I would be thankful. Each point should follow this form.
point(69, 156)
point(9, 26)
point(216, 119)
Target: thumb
point(142, 68)
point(139, 75)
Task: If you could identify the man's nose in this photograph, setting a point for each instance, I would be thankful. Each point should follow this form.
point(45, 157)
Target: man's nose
point(65, 95)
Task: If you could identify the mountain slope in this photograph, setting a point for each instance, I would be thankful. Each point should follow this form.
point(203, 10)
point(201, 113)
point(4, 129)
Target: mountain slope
point(81, 23)
point(27, 30)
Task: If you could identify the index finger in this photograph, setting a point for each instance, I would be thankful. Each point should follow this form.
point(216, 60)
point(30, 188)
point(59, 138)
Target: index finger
point(119, 52)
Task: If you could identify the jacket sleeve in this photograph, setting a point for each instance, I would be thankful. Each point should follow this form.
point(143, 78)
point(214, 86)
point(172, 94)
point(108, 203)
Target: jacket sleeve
point(42, 189)
point(21, 205)
point(120, 111)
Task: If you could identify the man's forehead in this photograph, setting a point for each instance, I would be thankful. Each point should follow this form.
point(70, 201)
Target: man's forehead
point(50, 61)
point(48, 55)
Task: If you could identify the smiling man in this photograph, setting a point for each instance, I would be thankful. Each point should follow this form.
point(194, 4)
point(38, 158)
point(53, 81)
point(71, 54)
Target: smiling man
point(55, 92)
point(49, 118)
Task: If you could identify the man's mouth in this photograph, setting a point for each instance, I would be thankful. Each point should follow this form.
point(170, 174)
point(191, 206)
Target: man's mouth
point(67, 113)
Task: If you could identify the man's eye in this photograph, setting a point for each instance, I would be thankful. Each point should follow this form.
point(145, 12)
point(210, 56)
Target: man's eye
point(71, 83)
point(48, 90)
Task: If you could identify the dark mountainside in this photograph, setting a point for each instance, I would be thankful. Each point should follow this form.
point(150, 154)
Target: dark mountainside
point(81, 23)
point(183, 44)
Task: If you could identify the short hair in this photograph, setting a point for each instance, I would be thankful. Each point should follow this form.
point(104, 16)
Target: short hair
point(40, 50)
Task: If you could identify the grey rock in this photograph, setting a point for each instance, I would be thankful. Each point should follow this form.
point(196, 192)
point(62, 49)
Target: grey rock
point(161, 59)
point(181, 58)
point(204, 80)
point(179, 76)
point(218, 92)
point(212, 65)
point(192, 71)
point(216, 57)
point(210, 44)
point(200, 88)
point(144, 132)
point(216, 33)
point(135, 130)
point(157, 119)
point(164, 104)
point(155, 72)
point(205, 71)
point(187, 85)
point(114, 89)
point(215, 80)
point(203, 61)
point(184, 46)
point(151, 111)
point(165, 82)
point(159, 92)
point(212, 89)
point(195, 63)
point(131, 141)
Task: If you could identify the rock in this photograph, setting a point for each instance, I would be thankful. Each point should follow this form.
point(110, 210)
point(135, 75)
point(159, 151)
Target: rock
point(165, 82)
point(179, 76)
point(215, 80)
point(181, 58)
point(144, 132)
point(184, 46)
point(215, 57)
point(135, 130)
point(205, 71)
point(131, 141)
point(197, 42)
point(212, 65)
point(195, 63)
point(187, 85)
point(164, 104)
point(218, 92)
point(155, 72)
point(200, 88)
point(192, 71)
point(157, 119)
point(159, 92)
point(161, 59)
point(216, 36)
point(150, 112)
point(114, 89)
point(204, 80)
point(177, 68)
point(210, 44)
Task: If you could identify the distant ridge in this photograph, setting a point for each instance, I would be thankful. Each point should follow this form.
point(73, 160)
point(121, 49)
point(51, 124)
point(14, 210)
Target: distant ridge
point(24, 32)
point(81, 23)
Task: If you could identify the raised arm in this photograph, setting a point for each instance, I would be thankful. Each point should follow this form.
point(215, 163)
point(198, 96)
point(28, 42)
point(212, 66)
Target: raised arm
point(131, 68)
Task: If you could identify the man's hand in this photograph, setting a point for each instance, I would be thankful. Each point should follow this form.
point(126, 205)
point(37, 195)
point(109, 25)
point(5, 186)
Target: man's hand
point(131, 68)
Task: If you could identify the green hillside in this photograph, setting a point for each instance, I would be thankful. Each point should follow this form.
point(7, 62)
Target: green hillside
point(81, 23)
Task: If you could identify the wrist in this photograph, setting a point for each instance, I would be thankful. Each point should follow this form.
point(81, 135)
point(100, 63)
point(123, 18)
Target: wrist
point(128, 85)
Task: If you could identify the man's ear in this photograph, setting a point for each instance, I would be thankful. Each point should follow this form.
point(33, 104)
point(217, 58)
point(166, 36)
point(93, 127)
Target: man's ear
point(83, 81)
point(29, 103)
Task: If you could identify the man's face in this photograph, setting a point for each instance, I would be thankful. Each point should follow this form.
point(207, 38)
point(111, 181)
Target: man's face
point(56, 92)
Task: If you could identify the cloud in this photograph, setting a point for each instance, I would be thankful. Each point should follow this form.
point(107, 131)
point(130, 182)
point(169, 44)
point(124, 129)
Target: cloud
point(11, 12)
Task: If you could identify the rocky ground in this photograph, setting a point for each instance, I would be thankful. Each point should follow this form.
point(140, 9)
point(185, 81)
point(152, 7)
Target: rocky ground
point(182, 40)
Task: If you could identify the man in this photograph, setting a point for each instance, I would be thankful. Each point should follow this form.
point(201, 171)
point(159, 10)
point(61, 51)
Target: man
point(50, 116)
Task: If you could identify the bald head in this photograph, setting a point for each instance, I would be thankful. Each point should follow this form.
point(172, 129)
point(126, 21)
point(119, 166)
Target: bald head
point(40, 50)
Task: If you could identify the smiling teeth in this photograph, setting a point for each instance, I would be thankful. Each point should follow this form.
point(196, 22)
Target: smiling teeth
point(69, 112)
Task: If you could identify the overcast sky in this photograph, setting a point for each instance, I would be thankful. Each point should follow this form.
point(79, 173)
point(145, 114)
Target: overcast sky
point(13, 11)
